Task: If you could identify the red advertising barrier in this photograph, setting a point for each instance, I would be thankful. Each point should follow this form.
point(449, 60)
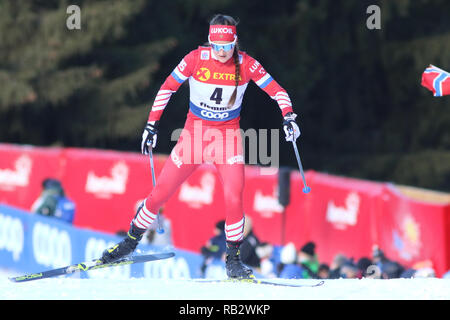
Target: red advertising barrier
point(107, 186)
point(341, 215)
point(447, 236)
point(261, 204)
point(298, 212)
point(22, 170)
point(412, 232)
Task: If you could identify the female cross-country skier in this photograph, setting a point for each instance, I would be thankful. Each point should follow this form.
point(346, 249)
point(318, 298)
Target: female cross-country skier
point(218, 76)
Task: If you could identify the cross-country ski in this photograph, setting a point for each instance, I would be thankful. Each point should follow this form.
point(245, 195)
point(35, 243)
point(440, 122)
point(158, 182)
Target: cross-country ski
point(91, 265)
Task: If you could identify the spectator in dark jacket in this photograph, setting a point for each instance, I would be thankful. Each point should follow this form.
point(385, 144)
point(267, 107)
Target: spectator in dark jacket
point(389, 269)
point(249, 245)
point(252, 249)
point(52, 202)
point(215, 248)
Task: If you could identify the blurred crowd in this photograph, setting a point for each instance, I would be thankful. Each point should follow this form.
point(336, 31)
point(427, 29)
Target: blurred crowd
point(289, 262)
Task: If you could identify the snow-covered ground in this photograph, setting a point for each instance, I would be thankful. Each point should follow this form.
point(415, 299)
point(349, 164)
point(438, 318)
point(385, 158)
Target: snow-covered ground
point(177, 289)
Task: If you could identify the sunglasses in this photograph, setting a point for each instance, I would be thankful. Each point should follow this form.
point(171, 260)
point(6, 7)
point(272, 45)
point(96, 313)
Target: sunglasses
point(225, 47)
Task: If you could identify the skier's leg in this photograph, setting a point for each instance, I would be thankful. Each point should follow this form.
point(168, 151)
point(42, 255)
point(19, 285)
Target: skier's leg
point(171, 177)
point(232, 176)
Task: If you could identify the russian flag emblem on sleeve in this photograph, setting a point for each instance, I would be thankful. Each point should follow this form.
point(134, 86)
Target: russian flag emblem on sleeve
point(436, 80)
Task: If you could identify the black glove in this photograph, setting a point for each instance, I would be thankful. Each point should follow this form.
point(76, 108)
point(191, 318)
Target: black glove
point(149, 137)
point(290, 127)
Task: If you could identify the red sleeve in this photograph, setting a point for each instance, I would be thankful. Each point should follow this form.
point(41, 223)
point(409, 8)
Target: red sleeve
point(181, 72)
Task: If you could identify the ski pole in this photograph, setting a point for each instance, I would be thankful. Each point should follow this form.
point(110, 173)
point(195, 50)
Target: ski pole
point(160, 229)
point(306, 189)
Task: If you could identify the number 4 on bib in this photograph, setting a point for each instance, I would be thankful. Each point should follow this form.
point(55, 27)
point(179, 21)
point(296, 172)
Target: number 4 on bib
point(217, 95)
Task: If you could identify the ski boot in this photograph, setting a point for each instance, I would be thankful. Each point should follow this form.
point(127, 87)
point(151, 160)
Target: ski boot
point(124, 247)
point(233, 264)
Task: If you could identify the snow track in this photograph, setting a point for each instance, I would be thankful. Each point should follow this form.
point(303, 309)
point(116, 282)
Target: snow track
point(72, 288)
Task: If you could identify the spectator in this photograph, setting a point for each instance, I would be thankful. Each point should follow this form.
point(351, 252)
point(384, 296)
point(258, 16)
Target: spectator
point(288, 267)
point(421, 272)
point(335, 267)
point(309, 261)
point(268, 261)
point(253, 251)
point(389, 269)
point(378, 256)
point(53, 202)
point(408, 273)
point(324, 271)
point(424, 269)
point(349, 270)
point(425, 273)
point(363, 266)
point(214, 249)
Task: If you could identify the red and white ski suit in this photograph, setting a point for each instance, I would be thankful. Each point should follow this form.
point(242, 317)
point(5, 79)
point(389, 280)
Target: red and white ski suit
point(211, 129)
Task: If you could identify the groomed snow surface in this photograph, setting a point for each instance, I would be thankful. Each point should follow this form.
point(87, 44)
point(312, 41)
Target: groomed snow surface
point(73, 288)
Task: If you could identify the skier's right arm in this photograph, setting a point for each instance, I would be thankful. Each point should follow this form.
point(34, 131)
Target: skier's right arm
point(181, 72)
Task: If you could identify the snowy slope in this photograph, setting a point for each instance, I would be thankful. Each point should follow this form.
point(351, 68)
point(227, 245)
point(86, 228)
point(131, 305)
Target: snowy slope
point(179, 289)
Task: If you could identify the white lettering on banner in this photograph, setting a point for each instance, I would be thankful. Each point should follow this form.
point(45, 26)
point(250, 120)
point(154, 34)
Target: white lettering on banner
point(104, 187)
point(11, 235)
point(197, 196)
point(266, 205)
point(214, 115)
point(176, 268)
point(19, 177)
point(51, 246)
point(94, 249)
point(341, 217)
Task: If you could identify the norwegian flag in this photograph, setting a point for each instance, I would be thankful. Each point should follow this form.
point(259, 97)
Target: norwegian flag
point(436, 80)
